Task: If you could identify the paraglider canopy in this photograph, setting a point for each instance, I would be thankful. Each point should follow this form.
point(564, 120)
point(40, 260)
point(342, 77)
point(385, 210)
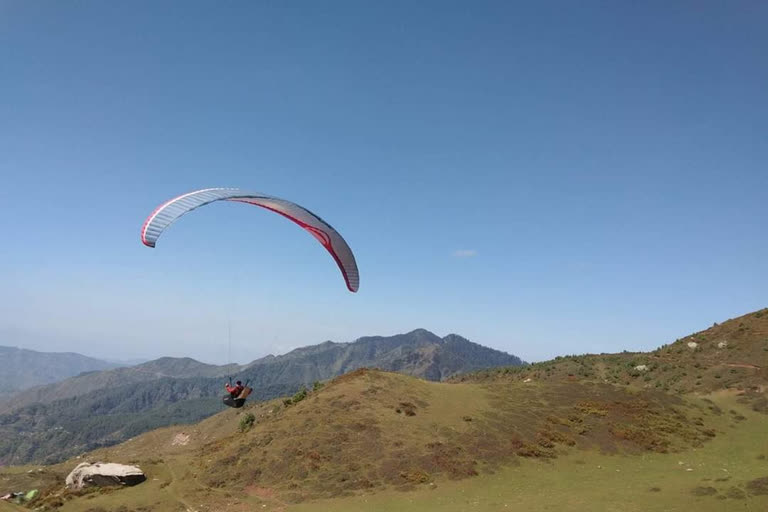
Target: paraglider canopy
point(168, 212)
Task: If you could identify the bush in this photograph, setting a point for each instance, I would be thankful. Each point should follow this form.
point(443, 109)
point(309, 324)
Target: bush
point(300, 395)
point(246, 422)
point(317, 385)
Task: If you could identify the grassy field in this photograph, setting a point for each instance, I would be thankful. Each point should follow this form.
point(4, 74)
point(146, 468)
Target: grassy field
point(720, 474)
point(715, 477)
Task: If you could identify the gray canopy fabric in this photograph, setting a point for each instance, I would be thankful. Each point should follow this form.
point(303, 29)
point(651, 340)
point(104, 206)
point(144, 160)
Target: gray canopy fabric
point(168, 212)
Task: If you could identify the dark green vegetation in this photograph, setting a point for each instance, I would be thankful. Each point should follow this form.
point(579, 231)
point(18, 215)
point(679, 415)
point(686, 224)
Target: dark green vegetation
point(246, 422)
point(22, 369)
point(104, 408)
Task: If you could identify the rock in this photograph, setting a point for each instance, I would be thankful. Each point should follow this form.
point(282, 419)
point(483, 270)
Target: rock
point(641, 368)
point(104, 474)
point(722, 344)
point(181, 439)
point(692, 344)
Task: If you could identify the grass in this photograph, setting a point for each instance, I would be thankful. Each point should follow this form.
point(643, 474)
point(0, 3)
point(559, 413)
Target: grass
point(588, 480)
point(577, 433)
point(733, 354)
point(371, 431)
point(346, 448)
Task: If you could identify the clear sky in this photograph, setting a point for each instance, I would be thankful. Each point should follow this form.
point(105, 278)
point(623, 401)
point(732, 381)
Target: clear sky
point(541, 177)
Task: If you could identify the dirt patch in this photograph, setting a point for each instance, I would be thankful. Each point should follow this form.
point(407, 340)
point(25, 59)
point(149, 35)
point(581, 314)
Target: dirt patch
point(261, 492)
point(180, 439)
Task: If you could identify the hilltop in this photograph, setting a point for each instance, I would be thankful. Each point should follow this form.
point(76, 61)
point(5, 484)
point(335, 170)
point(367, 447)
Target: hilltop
point(49, 423)
point(371, 433)
point(732, 354)
point(399, 432)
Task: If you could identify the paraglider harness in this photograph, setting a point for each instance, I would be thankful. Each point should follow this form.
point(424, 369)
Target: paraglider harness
point(238, 401)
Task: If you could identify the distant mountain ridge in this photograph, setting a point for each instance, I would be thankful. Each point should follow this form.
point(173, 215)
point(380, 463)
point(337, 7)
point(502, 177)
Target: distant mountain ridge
point(419, 353)
point(103, 408)
point(22, 368)
point(88, 382)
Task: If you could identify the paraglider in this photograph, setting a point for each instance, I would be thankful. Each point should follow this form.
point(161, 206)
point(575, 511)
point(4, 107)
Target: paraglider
point(168, 212)
point(237, 394)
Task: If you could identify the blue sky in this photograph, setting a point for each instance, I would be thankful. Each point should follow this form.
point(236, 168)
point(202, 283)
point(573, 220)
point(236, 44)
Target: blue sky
point(543, 177)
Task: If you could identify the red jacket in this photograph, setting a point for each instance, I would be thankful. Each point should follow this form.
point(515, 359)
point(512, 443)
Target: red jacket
point(234, 390)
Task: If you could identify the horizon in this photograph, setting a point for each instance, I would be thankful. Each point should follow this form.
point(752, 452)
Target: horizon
point(540, 179)
point(141, 360)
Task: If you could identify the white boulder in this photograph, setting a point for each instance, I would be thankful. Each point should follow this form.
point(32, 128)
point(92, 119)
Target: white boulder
point(103, 474)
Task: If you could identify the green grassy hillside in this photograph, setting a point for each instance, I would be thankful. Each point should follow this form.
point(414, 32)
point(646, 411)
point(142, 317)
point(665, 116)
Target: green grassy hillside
point(51, 423)
point(733, 354)
point(577, 433)
point(348, 442)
